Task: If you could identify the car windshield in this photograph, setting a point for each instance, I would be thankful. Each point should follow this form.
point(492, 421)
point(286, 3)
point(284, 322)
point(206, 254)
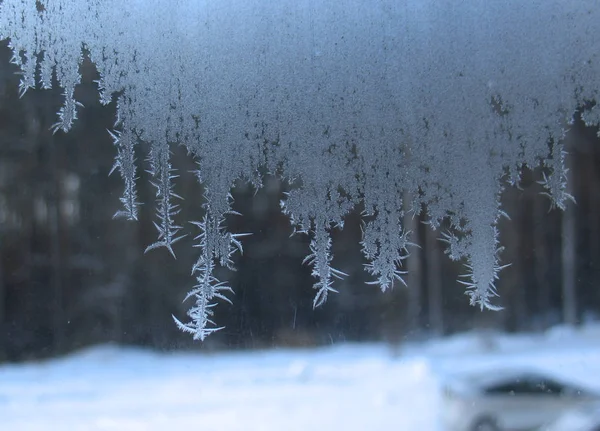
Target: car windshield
point(528, 386)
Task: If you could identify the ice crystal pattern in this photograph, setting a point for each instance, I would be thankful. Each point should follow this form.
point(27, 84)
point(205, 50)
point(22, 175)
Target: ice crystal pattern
point(362, 102)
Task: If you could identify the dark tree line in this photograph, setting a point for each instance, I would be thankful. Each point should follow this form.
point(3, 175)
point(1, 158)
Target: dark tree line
point(71, 275)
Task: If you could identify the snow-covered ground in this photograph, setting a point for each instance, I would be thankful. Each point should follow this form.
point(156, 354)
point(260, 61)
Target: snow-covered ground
point(344, 387)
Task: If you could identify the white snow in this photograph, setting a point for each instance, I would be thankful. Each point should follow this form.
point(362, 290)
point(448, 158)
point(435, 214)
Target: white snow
point(349, 387)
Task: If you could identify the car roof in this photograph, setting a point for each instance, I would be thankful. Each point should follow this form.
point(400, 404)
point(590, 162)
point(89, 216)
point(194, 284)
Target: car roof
point(481, 380)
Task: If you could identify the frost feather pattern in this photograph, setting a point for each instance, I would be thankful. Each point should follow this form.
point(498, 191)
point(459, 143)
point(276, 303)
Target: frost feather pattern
point(365, 102)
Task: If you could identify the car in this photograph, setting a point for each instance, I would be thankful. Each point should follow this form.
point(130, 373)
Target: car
point(515, 399)
point(586, 418)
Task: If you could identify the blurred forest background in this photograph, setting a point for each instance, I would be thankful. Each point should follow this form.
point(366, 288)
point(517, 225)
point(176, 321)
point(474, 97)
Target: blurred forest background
point(71, 275)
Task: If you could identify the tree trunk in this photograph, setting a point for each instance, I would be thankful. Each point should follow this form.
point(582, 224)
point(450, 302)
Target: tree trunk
point(569, 300)
point(58, 312)
point(541, 257)
point(3, 326)
point(434, 282)
point(414, 276)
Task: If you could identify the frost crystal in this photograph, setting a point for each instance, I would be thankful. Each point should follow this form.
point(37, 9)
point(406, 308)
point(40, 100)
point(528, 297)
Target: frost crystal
point(362, 102)
point(161, 171)
point(125, 163)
